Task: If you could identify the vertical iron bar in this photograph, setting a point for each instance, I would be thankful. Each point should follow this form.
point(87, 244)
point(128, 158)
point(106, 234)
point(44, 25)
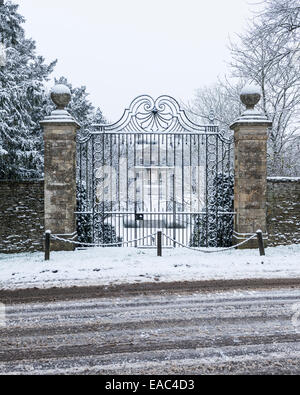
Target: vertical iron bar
point(111, 190)
point(217, 189)
point(206, 197)
point(151, 203)
point(135, 193)
point(127, 187)
point(191, 193)
point(174, 210)
point(80, 192)
point(87, 184)
point(118, 187)
point(197, 218)
point(167, 196)
point(143, 191)
point(93, 181)
point(101, 222)
point(80, 176)
point(159, 175)
point(224, 219)
point(174, 193)
point(183, 137)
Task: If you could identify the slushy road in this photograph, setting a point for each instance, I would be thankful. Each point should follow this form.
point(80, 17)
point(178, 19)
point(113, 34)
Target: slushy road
point(236, 332)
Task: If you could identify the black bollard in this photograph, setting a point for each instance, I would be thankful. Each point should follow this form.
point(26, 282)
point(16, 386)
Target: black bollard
point(47, 245)
point(260, 243)
point(159, 243)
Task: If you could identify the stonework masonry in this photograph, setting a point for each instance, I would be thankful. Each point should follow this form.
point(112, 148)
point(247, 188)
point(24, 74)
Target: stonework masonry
point(250, 178)
point(60, 180)
point(60, 169)
point(283, 211)
point(21, 216)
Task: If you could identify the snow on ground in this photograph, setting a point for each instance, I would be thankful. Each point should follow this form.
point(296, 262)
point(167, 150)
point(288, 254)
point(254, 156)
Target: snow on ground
point(128, 265)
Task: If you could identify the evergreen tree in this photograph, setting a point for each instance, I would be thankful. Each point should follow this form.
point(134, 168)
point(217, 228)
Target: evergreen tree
point(22, 99)
point(210, 231)
point(84, 224)
point(225, 203)
point(107, 234)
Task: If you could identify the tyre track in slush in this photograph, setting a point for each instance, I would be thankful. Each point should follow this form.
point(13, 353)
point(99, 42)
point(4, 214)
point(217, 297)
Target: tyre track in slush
point(242, 332)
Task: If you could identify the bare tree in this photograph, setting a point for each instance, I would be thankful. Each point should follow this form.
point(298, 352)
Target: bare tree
point(220, 100)
point(281, 18)
point(268, 54)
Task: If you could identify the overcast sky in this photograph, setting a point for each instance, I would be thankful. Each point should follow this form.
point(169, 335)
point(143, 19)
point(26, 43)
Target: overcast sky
point(120, 49)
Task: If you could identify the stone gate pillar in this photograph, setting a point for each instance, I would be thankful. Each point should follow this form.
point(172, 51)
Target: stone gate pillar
point(60, 169)
point(251, 135)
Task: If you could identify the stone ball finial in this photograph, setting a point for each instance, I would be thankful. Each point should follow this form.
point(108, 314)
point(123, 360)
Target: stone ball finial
point(61, 96)
point(250, 96)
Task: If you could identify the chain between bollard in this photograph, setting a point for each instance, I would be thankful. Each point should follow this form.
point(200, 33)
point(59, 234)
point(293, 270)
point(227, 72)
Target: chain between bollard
point(159, 235)
point(212, 252)
point(117, 244)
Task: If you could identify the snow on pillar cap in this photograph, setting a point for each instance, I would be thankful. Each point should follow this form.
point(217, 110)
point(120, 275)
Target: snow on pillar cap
point(61, 96)
point(251, 95)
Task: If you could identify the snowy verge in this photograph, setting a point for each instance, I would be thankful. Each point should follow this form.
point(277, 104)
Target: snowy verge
point(110, 266)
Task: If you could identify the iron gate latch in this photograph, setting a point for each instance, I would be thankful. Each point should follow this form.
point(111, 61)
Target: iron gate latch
point(139, 217)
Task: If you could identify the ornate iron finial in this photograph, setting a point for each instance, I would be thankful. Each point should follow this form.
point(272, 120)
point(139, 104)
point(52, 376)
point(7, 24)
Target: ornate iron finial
point(61, 96)
point(250, 96)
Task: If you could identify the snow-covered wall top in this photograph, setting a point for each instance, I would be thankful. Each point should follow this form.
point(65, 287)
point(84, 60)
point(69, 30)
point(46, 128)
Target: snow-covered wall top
point(283, 179)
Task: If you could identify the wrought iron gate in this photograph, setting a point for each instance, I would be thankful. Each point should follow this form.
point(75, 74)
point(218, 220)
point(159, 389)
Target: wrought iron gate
point(154, 169)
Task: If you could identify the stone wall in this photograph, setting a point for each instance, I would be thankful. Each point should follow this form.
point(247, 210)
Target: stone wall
point(283, 211)
point(21, 216)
